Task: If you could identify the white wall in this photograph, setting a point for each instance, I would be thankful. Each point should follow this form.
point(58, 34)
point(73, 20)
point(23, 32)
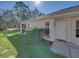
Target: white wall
point(38, 24)
point(41, 24)
point(71, 29)
point(60, 28)
point(52, 30)
point(74, 38)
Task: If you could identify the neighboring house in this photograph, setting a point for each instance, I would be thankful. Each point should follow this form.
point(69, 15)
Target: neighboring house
point(63, 24)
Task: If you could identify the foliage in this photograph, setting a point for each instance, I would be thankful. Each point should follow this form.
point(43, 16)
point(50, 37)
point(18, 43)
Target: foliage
point(8, 15)
point(36, 13)
point(6, 48)
point(21, 11)
point(2, 24)
point(8, 20)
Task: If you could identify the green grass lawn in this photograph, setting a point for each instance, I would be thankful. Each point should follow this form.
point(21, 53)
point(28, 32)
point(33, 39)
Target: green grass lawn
point(30, 45)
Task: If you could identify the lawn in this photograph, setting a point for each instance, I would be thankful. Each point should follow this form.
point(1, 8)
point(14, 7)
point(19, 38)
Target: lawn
point(30, 45)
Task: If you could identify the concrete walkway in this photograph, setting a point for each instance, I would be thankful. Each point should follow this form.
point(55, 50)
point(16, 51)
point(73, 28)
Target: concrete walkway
point(67, 49)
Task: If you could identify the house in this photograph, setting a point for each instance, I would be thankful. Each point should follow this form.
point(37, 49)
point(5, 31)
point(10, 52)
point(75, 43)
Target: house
point(62, 24)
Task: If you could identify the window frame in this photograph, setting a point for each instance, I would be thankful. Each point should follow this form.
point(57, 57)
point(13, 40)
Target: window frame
point(77, 28)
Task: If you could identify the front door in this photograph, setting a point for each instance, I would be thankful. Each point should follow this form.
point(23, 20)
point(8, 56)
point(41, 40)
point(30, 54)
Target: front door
point(60, 29)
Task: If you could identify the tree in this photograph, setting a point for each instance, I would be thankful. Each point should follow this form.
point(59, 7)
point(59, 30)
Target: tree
point(2, 11)
point(22, 11)
point(36, 12)
point(10, 19)
point(2, 23)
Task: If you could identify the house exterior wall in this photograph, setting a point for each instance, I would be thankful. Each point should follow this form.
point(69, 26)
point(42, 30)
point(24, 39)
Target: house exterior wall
point(71, 29)
point(41, 24)
point(60, 28)
point(52, 29)
point(38, 24)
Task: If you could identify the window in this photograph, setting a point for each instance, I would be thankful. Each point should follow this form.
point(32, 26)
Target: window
point(77, 28)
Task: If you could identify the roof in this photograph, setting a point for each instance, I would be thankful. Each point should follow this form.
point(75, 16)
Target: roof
point(67, 10)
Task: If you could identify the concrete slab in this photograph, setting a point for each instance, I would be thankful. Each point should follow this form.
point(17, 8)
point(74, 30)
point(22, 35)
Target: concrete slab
point(60, 48)
point(67, 49)
point(74, 52)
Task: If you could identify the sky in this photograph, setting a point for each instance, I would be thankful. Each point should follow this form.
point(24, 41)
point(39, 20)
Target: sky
point(44, 6)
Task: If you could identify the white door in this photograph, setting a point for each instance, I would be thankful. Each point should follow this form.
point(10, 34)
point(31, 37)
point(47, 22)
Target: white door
point(60, 29)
